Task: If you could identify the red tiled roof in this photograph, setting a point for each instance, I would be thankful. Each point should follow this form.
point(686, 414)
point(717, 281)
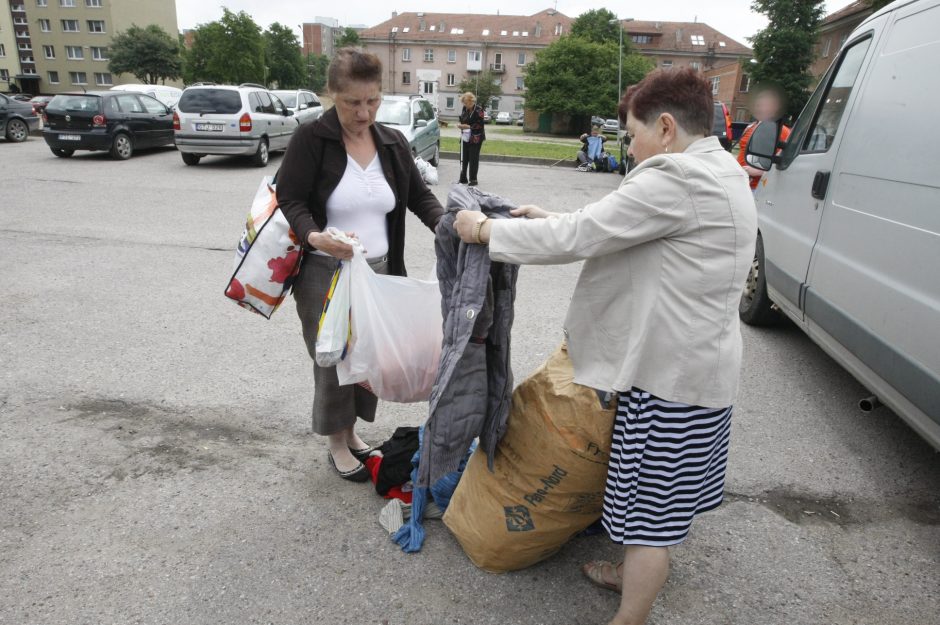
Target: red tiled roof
point(678, 37)
point(858, 6)
point(538, 29)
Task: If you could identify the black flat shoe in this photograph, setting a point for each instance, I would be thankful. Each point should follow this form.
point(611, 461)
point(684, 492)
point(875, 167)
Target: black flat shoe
point(362, 454)
point(473, 183)
point(359, 474)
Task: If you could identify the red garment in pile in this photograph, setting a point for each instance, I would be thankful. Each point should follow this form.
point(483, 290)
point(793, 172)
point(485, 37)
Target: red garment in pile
point(373, 463)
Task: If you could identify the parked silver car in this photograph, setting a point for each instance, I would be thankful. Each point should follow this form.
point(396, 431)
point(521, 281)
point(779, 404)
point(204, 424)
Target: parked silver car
point(414, 117)
point(305, 104)
point(220, 119)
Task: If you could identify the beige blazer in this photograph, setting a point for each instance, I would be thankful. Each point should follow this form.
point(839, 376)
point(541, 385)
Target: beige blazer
point(667, 254)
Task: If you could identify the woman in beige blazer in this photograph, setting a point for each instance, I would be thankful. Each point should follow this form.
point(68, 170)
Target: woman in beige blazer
point(653, 317)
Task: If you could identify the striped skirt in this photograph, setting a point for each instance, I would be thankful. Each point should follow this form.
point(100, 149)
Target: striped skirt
point(667, 464)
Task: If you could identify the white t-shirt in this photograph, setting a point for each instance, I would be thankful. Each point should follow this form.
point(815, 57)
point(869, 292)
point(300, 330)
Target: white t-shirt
point(360, 203)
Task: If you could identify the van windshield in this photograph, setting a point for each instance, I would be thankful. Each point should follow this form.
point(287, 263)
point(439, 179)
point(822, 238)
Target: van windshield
point(394, 112)
point(222, 101)
point(289, 98)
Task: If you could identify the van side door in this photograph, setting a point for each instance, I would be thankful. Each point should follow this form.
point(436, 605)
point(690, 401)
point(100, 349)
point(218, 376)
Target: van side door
point(874, 281)
point(791, 203)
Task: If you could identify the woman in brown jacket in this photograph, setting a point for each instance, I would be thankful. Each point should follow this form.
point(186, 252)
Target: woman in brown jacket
point(346, 171)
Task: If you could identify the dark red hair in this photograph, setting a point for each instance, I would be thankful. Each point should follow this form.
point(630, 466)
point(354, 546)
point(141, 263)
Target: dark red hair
point(683, 93)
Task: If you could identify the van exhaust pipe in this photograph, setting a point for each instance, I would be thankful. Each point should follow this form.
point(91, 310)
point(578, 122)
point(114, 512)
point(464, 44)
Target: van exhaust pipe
point(868, 404)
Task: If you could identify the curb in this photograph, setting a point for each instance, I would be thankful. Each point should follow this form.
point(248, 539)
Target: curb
point(518, 160)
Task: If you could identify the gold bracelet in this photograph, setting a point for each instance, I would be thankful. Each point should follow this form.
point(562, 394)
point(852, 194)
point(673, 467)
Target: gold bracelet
point(477, 228)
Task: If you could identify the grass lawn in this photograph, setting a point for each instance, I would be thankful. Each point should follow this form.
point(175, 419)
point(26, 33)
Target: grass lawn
point(532, 149)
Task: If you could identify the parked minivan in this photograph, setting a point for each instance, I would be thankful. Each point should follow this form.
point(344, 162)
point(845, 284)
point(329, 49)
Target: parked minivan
point(849, 214)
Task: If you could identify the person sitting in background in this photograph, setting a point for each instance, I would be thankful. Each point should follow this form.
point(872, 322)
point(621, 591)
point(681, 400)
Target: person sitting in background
point(767, 106)
point(592, 149)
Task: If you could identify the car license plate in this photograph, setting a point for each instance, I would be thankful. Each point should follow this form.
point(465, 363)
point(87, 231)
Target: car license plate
point(70, 138)
point(210, 127)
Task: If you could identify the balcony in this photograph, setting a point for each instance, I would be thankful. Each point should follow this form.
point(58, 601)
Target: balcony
point(23, 34)
point(18, 8)
point(497, 68)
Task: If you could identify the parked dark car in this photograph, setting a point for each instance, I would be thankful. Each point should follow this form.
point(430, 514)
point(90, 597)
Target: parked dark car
point(17, 119)
point(39, 102)
point(120, 122)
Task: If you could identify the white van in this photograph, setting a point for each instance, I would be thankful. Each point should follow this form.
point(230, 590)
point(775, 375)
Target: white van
point(849, 214)
point(166, 94)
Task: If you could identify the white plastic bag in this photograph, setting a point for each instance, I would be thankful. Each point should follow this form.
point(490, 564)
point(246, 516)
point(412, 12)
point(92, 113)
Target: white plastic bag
point(427, 170)
point(396, 333)
point(333, 329)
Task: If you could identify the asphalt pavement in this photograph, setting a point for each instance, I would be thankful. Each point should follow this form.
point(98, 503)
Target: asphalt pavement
point(157, 466)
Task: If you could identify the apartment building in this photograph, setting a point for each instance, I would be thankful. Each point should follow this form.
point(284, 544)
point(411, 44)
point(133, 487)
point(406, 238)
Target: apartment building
point(62, 45)
point(9, 63)
point(833, 32)
point(431, 53)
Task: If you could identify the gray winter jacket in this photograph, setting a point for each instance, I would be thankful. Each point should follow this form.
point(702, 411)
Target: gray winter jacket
point(472, 393)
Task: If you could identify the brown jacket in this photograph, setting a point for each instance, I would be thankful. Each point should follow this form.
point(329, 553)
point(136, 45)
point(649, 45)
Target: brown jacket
point(315, 163)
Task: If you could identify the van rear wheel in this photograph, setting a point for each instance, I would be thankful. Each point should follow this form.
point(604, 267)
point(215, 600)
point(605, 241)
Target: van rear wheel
point(62, 152)
point(260, 159)
point(755, 308)
point(190, 159)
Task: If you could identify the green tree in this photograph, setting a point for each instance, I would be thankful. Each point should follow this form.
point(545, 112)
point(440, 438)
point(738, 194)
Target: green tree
point(485, 86)
point(577, 76)
point(596, 26)
point(784, 50)
point(230, 50)
point(349, 38)
point(149, 53)
point(282, 54)
point(317, 64)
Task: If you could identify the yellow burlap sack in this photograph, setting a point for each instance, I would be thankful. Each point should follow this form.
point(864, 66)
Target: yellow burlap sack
point(549, 473)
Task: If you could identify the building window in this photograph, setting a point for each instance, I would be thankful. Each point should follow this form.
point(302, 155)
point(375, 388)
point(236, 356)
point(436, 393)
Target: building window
point(53, 77)
point(667, 64)
point(94, 4)
point(45, 25)
point(745, 83)
point(99, 54)
point(429, 55)
point(695, 65)
point(66, 3)
point(5, 75)
point(716, 82)
point(70, 26)
point(103, 79)
point(428, 88)
point(78, 78)
point(641, 38)
point(520, 83)
point(698, 40)
point(96, 26)
point(449, 102)
point(48, 52)
point(74, 53)
point(826, 45)
point(406, 78)
point(521, 59)
point(406, 54)
point(451, 56)
point(559, 29)
point(3, 50)
point(474, 56)
point(42, 3)
point(451, 80)
point(519, 105)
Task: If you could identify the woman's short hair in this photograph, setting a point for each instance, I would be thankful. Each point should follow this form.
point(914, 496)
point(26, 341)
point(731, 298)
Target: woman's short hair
point(682, 93)
point(352, 64)
point(468, 95)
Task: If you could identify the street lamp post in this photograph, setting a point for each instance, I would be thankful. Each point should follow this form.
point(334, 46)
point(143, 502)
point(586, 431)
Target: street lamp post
point(619, 23)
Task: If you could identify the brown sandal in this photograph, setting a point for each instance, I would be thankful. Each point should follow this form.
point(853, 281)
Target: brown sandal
point(598, 572)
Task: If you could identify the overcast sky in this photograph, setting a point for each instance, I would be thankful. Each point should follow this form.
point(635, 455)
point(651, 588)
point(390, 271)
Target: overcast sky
point(732, 17)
